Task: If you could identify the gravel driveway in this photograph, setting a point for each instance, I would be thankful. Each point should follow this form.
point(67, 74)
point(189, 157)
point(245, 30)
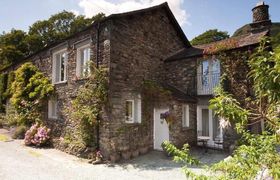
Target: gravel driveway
point(18, 162)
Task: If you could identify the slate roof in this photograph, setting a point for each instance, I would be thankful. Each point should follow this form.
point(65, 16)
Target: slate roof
point(212, 48)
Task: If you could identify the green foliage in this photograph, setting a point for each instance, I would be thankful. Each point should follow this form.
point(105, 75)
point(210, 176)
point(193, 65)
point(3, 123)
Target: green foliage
point(89, 103)
point(229, 109)
point(257, 154)
point(265, 72)
point(209, 36)
point(12, 47)
point(30, 88)
point(3, 87)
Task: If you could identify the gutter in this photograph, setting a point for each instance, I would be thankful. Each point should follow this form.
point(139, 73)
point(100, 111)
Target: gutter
point(97, 66)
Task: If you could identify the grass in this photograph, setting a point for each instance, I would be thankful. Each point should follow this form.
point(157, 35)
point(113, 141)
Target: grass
point(3, 137)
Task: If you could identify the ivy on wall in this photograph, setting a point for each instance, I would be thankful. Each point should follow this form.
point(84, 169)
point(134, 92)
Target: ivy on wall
point(88, 105)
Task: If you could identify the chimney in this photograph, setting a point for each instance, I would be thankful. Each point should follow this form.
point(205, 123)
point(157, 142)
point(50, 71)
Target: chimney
point(261, 19)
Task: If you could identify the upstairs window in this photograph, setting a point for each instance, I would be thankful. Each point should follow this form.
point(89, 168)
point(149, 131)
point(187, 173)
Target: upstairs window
point(208, 76)
point(59, 67)
point(83, 61)
point(133, 110)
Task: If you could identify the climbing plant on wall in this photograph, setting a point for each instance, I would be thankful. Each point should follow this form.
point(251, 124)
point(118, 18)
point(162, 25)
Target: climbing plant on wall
point(88, 105)
point(29, 91)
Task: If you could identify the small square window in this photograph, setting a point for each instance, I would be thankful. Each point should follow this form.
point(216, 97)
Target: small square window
point(185, 116)
point(52, 108)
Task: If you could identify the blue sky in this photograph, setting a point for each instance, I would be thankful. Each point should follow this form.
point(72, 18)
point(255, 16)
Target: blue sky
point(195, 16)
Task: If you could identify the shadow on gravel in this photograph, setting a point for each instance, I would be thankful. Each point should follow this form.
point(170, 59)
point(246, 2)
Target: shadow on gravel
point(156, 160)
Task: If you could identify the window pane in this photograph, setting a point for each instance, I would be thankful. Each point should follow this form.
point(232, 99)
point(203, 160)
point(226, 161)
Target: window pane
point(129, 111)
point(57, 68)
point(86, 61)
point(62, 67)
point(205, 122)
point(205, 73)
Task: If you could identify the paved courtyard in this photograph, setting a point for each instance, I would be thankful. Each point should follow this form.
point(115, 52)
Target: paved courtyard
point(18, 162)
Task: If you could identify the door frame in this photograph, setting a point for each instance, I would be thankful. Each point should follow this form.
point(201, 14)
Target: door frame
point(199, 123)
point(154, 128)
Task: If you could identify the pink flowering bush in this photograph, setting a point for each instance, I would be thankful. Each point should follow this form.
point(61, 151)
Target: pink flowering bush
point(37, 135)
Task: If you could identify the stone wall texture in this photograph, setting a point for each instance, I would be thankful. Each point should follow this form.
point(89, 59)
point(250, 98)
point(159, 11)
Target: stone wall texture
point(133, 48)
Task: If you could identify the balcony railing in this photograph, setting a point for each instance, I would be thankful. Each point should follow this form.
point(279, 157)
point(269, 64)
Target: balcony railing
point(207, 83)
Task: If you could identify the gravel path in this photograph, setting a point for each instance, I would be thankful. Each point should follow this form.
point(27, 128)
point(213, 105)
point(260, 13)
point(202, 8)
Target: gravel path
point(18, 162)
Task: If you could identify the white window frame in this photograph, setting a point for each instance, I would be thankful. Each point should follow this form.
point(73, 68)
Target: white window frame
point(136, 110)
point(53, 102)
point(79, 69)
point(185, 115)
point(55, 68)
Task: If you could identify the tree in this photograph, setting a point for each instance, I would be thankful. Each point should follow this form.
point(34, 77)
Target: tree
point(209, 36)
point(18, 44)
point(12, 47)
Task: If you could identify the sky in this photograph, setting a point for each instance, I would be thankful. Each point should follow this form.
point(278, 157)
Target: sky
point(194, 16)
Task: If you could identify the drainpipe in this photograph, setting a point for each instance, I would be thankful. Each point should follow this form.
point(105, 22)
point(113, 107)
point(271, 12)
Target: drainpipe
point(97, 66)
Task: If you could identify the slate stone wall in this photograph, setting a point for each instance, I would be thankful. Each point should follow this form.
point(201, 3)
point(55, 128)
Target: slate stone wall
point(139, 44)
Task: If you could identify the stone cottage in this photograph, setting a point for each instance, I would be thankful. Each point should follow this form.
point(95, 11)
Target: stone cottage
point(142, 46)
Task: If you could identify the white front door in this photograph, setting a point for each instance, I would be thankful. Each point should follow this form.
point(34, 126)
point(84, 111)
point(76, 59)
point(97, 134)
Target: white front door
point(161, 130)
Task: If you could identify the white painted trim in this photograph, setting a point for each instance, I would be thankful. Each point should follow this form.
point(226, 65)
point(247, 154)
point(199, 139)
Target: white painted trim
point(54, 68)
point(132, 119)
point(199, 123)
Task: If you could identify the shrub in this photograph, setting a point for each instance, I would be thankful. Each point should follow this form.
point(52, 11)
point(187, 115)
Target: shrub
point(1, 120)
point(37, 135)
point(19, 132)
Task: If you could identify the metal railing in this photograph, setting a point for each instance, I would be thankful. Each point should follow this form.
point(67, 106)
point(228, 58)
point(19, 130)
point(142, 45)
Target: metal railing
point(207, 83)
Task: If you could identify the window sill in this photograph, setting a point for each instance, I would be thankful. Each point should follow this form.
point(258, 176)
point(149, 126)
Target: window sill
point(186, 128)
point(132, 122)
point(58, 83)
point(53, 118)
point(81, 79)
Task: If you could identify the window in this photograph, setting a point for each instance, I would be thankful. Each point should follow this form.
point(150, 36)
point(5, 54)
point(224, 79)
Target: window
point(186, 116)
point(83, 61)
point(52, 108)
point(129, 110)
point(133, 110)
point(208, 76)
point(59, 67)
